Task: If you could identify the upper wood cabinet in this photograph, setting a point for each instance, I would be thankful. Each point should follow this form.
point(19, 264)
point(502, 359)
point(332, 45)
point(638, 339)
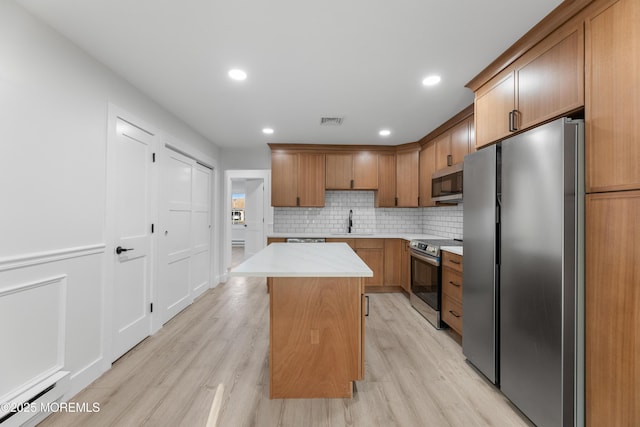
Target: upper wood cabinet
point(460, 138)
point(472, 135)
point(613, 98)
point(357, 171)
point(297, 179)
point(453, 145)
point(444, 147)
point(544, 83)
point(427, 168)
point(443, 151)
point(386, 194)
point(284, 179)
point(398, 178)
point(407, 192)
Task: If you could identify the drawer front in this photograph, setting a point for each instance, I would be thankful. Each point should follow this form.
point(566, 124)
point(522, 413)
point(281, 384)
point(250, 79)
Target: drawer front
point(369, 243)
point(452, 313)
point(452, 284)
point(453, 261)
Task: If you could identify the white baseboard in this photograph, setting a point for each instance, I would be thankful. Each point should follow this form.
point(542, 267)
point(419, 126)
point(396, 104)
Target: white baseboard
point(84, 377)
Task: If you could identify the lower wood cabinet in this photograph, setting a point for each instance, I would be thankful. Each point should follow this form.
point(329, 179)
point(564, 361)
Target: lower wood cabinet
point(405, 280)
point(452, 290)
point(612, 309)
point(316, 338)
point(393, 262)
point(389, 259)
point(372, 253)
point(269, 241)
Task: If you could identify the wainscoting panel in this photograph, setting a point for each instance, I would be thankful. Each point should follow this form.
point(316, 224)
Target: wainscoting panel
point(33, 318)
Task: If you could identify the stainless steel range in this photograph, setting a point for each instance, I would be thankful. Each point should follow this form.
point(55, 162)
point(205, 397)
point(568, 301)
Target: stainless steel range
point(426, 275)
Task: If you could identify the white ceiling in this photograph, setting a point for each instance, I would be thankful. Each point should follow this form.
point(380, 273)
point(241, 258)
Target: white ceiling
point(360, 59)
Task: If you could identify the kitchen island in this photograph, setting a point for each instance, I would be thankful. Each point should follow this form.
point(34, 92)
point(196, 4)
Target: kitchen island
point(316, 317)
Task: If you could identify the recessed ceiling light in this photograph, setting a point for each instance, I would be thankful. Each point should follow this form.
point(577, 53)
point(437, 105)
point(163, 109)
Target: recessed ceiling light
point(385, 132)
point(431, 80)
point(237, 74)
point(268, 131)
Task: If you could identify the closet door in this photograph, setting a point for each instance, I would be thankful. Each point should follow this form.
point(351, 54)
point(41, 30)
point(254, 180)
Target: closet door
point(201, 229)
point(175, 249)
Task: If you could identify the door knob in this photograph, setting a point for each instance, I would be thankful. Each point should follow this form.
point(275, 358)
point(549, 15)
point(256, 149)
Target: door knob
point(120, 249)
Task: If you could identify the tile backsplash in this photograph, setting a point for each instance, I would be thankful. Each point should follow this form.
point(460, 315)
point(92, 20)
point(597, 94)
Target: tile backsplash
point(333, 218)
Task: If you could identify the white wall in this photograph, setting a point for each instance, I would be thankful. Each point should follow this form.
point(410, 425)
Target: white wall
point(245, 158)
point(53, 134)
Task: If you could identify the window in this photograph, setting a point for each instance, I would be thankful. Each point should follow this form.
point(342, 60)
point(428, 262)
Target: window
point(237, 208)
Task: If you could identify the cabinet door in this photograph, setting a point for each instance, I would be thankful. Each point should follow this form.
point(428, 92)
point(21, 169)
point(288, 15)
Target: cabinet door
point(550, 81)
point(613, 98)
point(443, 151)
point(427, 168)
point(393, 262)
point(612, 309)
point(386, 195)
point(494, 101)
point(407, 178)
point(339, 172)
point(365, 171)
point(284, 179)
point(311, 173)
point(374, 258)
point(406, 266)
point(452, 313)
point(472, 135)
point(459, 142)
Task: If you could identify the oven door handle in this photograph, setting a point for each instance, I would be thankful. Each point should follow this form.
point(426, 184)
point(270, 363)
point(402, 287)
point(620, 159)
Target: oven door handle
point(433, 261)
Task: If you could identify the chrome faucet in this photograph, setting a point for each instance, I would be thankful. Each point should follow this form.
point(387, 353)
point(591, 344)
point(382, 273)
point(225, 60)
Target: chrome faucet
point(350, 219)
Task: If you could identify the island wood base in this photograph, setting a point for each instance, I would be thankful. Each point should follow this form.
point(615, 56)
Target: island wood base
point(316, 336)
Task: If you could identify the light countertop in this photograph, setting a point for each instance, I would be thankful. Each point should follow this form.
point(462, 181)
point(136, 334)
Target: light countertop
point(452, 249)
point(405, 236)
point(304, 260)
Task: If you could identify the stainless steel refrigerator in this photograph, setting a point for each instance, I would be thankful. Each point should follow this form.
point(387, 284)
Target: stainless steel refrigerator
point(522, 279)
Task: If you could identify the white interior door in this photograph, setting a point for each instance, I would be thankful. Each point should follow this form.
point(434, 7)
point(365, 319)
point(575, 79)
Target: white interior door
point(175, 238)
point(254, 216)
point(201, 230)
point(131, 175)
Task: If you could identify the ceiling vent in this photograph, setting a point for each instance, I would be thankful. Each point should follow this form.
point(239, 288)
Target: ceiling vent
point(331, 121)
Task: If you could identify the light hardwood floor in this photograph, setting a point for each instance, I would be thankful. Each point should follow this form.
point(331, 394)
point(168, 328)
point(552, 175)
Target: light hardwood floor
point(415, 375)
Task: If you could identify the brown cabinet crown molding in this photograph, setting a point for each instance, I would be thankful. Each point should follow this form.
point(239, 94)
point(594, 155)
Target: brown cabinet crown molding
point(346, 149)
point(453, 121)
point(557, 17)
point(332, 148)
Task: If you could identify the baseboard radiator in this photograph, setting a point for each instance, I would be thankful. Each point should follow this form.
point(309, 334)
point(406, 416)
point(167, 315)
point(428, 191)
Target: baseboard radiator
point(33, 405)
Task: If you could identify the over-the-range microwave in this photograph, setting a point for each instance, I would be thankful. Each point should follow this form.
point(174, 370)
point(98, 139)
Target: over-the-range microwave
point(446, 184)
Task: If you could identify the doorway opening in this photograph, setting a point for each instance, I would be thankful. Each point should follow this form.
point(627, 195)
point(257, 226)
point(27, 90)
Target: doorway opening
point(249, 214)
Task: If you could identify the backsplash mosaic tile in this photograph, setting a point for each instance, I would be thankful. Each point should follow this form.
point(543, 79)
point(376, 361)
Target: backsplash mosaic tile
point(333, 218)
point(443, 221)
